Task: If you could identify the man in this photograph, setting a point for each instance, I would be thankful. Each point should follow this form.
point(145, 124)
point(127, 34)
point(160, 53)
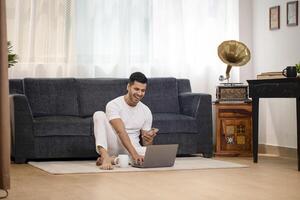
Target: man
point(118, 130)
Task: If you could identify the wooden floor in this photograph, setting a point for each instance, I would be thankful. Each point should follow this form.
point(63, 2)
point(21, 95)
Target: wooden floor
point(272, 178)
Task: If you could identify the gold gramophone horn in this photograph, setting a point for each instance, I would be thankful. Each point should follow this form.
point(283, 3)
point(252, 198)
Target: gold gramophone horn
point(233, 53)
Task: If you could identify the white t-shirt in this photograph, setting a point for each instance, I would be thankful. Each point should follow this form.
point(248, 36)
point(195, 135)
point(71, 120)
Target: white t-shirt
point(135, 118)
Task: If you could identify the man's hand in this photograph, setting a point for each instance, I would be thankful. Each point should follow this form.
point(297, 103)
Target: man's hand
point(138, 159)
point(148, 136)
point(119, 127)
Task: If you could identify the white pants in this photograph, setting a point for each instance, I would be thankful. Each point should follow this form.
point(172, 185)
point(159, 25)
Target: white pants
point(106, 137)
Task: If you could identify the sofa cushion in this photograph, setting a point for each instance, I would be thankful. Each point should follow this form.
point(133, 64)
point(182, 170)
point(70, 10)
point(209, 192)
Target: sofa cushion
point(62, 126)
point(52, 96)
point(174, 123)
point(94, 94)
point(162, 95)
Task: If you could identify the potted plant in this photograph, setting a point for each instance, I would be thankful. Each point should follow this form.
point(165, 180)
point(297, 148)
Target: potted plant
point(12, 57)
point(298, 69)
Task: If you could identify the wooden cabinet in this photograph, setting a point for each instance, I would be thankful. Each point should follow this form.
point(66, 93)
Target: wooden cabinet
point(233, 129)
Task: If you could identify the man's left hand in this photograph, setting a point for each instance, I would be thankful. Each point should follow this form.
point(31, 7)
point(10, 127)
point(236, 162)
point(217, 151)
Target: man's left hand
point(149, 136)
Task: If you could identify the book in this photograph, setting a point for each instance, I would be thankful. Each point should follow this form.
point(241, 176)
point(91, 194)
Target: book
point(270, 75)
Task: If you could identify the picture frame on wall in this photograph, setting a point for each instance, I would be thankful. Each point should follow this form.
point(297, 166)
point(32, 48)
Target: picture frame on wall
point(292, 13)
point(274, 17)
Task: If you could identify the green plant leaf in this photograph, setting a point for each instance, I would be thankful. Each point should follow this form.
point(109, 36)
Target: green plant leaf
point(12, 58)
point(298, 67)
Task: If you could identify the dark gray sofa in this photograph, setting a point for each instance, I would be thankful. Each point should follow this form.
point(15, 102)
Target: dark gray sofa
point(52, 118)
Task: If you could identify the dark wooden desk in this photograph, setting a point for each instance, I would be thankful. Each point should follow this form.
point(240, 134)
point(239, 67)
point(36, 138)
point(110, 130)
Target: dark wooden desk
point(273, 88)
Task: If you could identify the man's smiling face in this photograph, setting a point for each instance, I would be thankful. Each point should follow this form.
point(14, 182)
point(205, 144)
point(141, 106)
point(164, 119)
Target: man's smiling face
point(136, 92)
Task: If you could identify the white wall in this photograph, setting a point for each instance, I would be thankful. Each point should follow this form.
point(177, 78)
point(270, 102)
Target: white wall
point(271, 51)
point(245, 36)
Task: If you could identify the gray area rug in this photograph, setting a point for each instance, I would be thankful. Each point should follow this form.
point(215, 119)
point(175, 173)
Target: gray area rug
point(82, 167)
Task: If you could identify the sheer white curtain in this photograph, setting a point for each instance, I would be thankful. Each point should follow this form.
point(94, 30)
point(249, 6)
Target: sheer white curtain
point(41, 33)
point(185, 38)
point(112, 38)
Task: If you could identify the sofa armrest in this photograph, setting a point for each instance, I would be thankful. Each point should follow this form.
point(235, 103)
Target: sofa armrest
point(199, 106)
point(21, 128)
point(190, 103)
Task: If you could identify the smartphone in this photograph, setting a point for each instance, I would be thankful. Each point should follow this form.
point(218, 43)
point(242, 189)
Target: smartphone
point(155, 129)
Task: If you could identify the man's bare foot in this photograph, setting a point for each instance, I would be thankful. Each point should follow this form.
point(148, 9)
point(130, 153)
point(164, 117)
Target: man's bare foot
point(105, 161)
point(99, 161)
point(112, 160)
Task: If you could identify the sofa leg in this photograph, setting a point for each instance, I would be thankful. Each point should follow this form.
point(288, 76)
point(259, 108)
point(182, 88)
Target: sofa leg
point(207, 155)
point(20, 160)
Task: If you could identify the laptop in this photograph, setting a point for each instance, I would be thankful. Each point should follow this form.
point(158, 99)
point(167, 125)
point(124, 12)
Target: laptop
point(159, 156)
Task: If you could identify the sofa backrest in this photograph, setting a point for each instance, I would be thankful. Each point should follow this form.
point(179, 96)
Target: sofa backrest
point(52, 96)
point(16, 86)
point(184, 85)
point(84, 96)
point(162, 95)
point(95, 93)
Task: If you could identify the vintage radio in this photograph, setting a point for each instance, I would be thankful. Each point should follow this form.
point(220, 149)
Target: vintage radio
point(232, 92)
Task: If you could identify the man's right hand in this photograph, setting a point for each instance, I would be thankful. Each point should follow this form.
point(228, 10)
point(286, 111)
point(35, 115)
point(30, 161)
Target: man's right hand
point(138, 159)
point(119, 127)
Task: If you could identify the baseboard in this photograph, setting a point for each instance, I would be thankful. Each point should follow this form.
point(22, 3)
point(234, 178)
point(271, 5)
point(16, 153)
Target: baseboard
point(277, 151)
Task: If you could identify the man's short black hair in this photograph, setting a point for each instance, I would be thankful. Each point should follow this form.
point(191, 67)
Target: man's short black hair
point(139, 77)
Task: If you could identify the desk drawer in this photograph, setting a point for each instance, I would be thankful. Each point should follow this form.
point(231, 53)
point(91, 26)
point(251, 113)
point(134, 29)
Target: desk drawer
point(233, 112)
point(274, 90)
